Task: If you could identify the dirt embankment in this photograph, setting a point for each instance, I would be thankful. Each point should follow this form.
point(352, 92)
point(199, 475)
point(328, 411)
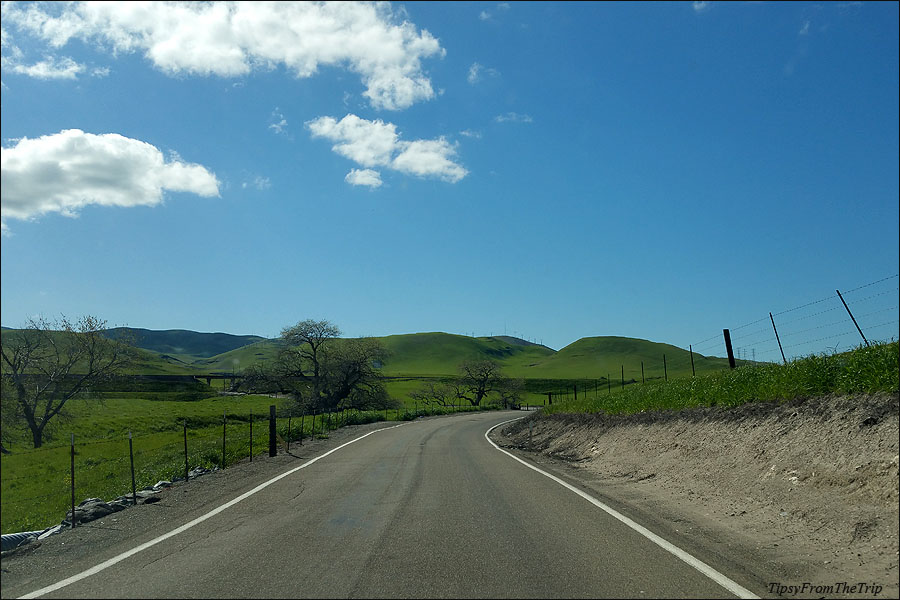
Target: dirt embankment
point(809, 487)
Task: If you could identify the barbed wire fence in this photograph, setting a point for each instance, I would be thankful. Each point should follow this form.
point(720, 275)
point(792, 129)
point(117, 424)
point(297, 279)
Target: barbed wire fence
point(819, 326)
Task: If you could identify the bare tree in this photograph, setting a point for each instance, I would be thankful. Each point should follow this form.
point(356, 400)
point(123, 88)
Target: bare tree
point(478, 378)
point(510, 392)
point(47, 364)
point(440, 393)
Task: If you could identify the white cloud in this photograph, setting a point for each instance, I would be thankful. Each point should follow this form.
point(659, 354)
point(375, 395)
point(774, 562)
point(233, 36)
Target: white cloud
point(471, 134)
point(377, 144)
point(484, 16)
point(369, 143)
point(478, 71)
point(69, 170)
point(49, 68)
point(512, 117)
point(429, 158)
point(364, 177)
point(232, 39)
point(701, 6)
point(804, 30)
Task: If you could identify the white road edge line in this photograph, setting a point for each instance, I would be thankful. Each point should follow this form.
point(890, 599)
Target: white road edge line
point(116, 559)
point(722, 580)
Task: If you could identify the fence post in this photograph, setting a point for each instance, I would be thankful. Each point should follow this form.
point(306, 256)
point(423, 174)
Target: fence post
point(852, 318)
point(778, 339)
point(302, 418)
point(287, 447)
point(642, 373)
point(131, 456)
point(185, 453)
point(72, 477)
point(623, 377)
point(691, 350)
point(273, 448)
point(251, 436)
point(728, 349)
point(608, 384)
point(665, 368)
point(575, 387)
point(223, 439)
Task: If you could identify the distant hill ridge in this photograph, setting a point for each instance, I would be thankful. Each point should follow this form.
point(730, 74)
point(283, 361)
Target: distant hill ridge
point(184, 343)
point(433, 354)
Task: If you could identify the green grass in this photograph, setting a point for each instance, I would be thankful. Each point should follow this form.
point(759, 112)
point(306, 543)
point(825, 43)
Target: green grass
point(863, 370)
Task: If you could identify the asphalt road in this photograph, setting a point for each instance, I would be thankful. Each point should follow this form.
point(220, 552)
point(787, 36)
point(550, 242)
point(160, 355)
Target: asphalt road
point(428, 509)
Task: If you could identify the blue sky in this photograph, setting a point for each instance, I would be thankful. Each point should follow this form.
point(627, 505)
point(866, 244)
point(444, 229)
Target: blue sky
point(547, 170)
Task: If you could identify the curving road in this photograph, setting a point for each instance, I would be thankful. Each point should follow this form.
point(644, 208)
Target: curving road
point(428, 509)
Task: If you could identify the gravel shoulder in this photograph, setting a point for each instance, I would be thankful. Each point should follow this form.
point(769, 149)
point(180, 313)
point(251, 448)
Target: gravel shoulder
point(803, 492)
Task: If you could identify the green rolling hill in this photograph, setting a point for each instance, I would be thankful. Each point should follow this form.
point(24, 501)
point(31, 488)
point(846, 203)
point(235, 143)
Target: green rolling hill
point(433, 354)
point(599, 357)
point(183, 344)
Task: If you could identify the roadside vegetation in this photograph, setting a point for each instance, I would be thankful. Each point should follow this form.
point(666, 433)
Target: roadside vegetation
point(310, 370)
point(864, 370)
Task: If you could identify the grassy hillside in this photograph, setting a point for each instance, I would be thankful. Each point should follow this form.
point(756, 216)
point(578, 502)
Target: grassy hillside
point(599, 357)
point(864, 370)
point(441, 353)
point(183, 344)
point(148, 362)
point(432, 354)
point(415, 354)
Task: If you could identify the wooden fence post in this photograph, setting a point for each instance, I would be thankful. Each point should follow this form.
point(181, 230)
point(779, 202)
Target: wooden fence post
point(185, 453)
point(728, 349)
point(72, 476)
point(131, 456)
point(273, 447)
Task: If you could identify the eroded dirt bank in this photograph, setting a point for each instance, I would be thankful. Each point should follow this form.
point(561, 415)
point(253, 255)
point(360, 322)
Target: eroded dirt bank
point(810, 487)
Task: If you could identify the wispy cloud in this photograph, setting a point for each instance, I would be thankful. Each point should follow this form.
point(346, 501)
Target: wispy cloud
point(279, 123)
point(49, 68)
point(377, 144)
point(485, 15)
point(478, 72)
point(512, 117)
point(230, 39)
point(701, 6)
point(804, 29)
point(259, 182)
point(69, 170)
point(471, 134)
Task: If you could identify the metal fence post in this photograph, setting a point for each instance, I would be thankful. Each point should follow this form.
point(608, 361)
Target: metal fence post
point(852, 318)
